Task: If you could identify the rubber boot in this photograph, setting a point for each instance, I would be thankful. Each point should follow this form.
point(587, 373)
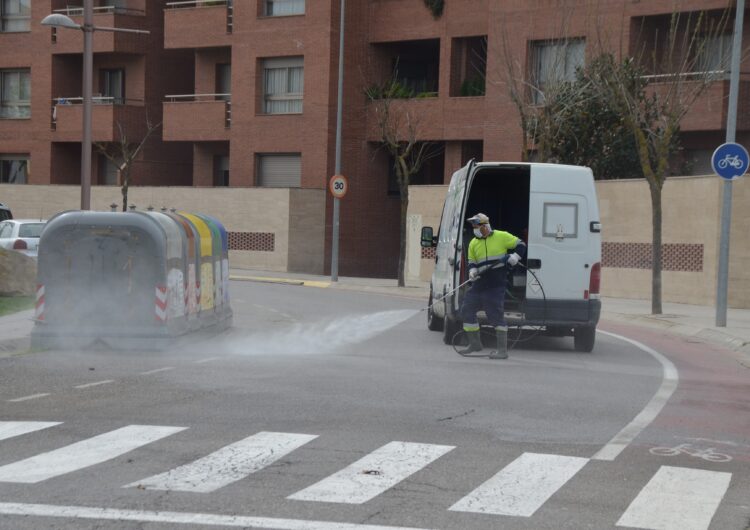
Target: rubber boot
point(501, 334)
point(475, 343)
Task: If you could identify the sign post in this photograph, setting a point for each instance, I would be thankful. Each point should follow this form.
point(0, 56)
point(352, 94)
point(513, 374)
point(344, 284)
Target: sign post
point(726, 211)
point(338, 186)
point(729, 161)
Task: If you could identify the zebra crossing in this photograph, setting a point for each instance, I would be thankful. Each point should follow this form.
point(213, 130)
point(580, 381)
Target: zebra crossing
point(674, 497)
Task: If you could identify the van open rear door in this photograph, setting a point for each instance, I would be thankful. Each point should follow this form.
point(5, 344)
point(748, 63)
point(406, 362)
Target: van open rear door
point(562, 248)
point(448, 264)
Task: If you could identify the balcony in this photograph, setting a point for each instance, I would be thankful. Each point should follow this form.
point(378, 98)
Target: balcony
point(106, 119)
point(198, 24)
point(438, 118)
point(197, 117)
point(391, 20)
point(67, 41)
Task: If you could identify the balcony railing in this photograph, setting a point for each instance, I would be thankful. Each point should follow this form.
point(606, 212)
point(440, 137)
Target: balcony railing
point(74, 11)
point(226, 98)
point(207, 3)
point(96, 100)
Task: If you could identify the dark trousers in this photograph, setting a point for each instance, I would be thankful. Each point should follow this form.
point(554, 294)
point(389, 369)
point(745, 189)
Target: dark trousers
point(492, 300)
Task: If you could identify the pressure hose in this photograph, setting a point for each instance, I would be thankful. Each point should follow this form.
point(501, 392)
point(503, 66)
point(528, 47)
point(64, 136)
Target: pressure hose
point(460, 333)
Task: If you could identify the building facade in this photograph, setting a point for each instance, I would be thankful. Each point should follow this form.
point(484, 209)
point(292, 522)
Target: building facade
point(245, 93)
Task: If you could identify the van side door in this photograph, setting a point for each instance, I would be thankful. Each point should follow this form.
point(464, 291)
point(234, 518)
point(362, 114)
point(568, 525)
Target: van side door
point(559, 252)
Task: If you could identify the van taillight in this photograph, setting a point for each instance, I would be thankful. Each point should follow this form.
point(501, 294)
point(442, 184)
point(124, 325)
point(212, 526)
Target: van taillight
point(595, 280)
point(20, 244)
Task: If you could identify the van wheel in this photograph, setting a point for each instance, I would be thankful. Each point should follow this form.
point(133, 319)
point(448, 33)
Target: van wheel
point(450, 328)
point(433, 323)
point(584, 338)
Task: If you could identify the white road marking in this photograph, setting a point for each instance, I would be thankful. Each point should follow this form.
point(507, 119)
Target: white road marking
point(10, 429)
point(670, 378)
point(207, 360)
point(677, 498)
point(375, 473)
point(27, 398)
point(89, 385)
point(83, 454)
point(165, 369)
point(522, 486)
point(199, 519)
point(228, 464)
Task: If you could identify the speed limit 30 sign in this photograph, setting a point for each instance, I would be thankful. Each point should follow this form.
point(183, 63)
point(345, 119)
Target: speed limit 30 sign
point(338, 185)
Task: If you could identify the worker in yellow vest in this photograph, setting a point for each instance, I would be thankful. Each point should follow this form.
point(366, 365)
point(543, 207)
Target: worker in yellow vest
point(490, 253)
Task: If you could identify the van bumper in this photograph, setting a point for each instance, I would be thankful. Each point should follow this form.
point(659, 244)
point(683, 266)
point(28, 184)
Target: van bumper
point(561, 313)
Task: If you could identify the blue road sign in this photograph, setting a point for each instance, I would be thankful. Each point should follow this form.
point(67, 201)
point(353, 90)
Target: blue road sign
point(730, 161)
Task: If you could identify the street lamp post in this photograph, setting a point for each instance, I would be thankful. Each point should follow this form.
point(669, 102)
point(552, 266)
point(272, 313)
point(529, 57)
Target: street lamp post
point(59, 20)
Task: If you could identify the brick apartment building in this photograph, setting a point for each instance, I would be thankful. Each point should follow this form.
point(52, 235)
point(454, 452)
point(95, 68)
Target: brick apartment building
point(246, 91)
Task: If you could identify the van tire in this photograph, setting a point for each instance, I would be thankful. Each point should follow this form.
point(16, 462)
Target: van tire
point(584, 338)
point(434, 323)
point(450, 328)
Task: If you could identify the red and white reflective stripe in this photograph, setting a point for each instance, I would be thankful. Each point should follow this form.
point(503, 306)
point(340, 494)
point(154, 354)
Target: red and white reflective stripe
point(161, 303)
point(39, 311)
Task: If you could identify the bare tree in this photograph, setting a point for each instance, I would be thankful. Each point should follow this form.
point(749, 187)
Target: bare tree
point(653, 90)
point(398, 128)
point(123, 153)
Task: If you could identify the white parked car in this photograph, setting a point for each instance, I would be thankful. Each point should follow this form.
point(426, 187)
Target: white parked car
point(22, 235)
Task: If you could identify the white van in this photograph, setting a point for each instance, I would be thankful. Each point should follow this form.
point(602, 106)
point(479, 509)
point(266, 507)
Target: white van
point(554, 209)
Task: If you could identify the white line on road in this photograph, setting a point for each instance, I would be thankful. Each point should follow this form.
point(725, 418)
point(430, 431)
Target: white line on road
point(199, 519)
point(83, 454)
point(10, 429)
point(165, 369)
point(27, 398)
point(375, 473)
point(522, 486)
point(228, 464)
point(207, 360)
point(677, 498)
point(670, 378)
point(89, 385)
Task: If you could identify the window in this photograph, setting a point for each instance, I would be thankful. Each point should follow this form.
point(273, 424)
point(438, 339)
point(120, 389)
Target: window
point(14, 169)
point(15, 15)
point(221, 170)
point(555, 62)
point(283, 82)
point(280, 170)
point(112, 86)
point(224, 81)
point(107, 171)
point(15, 93)
point(714, 54)
point(6, 230)
point(276, 8)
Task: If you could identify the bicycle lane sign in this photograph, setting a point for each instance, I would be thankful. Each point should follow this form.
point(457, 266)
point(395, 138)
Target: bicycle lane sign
point(730, 161)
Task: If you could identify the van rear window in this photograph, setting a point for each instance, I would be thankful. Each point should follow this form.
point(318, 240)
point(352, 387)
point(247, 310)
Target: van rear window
point(30, 230)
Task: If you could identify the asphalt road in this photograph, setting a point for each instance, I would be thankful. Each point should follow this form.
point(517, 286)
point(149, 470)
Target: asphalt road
point(324, 408)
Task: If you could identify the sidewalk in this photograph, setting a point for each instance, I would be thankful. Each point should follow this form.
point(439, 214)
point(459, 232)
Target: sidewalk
point(681, 319)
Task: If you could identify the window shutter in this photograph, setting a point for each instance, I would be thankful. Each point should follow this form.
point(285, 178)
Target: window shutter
point(280, 171)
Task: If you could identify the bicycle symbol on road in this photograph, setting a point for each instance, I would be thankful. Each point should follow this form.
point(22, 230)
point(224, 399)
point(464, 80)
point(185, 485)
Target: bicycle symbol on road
point(709, 454)
point(729, 160)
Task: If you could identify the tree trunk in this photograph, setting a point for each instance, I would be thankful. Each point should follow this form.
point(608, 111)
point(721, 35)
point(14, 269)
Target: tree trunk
point(656, 222)
point(404, 190)
point(125, 183)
